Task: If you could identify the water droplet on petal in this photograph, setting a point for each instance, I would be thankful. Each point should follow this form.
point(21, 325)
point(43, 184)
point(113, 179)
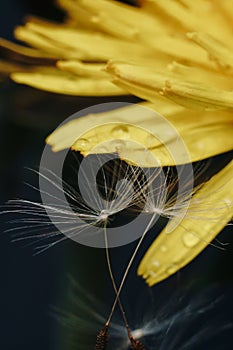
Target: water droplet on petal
point(95, 19)
point(190, 239)
point(228, 202)
point(156, 263)
point(119, 145)
point(152, 274)
point(120, 131)
point(82, 144)
point(163, 248)
point(102, 149)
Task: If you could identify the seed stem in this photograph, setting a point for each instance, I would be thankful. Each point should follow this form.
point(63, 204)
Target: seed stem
point(128, 268)
point(113, 282)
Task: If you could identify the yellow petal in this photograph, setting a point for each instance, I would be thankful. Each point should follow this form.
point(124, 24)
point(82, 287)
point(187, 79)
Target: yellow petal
point(39, 42)
point(171, 251)
point(198, 131)
point(67, 42)
point(198, 96)
point(201, 16)
point(216, 50)
point(53, 80)
point(225, 9)
point(115, 18)
point(90, 70)
point(178, 49)
point(192, 95)
point(7, 67)
point(76, 15)
point(218, 78)
point(107, 13)
point(24, 54)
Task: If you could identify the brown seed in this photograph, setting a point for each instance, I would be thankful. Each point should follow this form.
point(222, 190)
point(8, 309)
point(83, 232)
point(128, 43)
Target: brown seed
point(137, 344)
point(102, 339)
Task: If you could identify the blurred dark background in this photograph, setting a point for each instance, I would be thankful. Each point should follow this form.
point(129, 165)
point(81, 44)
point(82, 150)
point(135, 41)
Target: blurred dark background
point(32, 285)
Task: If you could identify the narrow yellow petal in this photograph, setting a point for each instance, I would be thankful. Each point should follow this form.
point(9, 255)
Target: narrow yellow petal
point(77, 16)
point(171, 251)
point(199, 132)
point(39, 42)
point(64, 83)
point(217, 50)
point(225, 8)
point(179, 49)
point(25, 54)
point(192, 95)
point(71, 43)
point(91, 70)
point(219, 78)
point(120, 20)
point(108, 16)
point(7, 67)
point(136, 76)
point(202, 17)
point(198, 96)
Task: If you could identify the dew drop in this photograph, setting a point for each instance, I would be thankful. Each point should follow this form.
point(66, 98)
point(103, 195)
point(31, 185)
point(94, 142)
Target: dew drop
point(103, 149)
point(156, 263)
point(163, 248)
point(119, 145)
point(120, 131)
point(95, 19)
point(82, 144)
point(228, 202)
point(152, 274)
point(172, 269)
point(190, 240)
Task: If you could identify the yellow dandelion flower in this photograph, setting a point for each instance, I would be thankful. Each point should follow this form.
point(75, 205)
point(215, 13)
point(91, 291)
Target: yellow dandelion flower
point(175, 55)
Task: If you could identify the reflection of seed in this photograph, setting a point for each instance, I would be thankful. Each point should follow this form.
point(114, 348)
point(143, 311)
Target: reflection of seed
point(190, 240)
point(120, 131)
point(163, 248)
point(172, 269)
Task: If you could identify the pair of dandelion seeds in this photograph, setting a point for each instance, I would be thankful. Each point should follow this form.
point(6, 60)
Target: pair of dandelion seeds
point(116, 194)
point(91, 212)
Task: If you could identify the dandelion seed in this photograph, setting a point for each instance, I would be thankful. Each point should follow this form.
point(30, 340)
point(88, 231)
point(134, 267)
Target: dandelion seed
point(78, 211)
point(117, 187)
point(102, 339)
